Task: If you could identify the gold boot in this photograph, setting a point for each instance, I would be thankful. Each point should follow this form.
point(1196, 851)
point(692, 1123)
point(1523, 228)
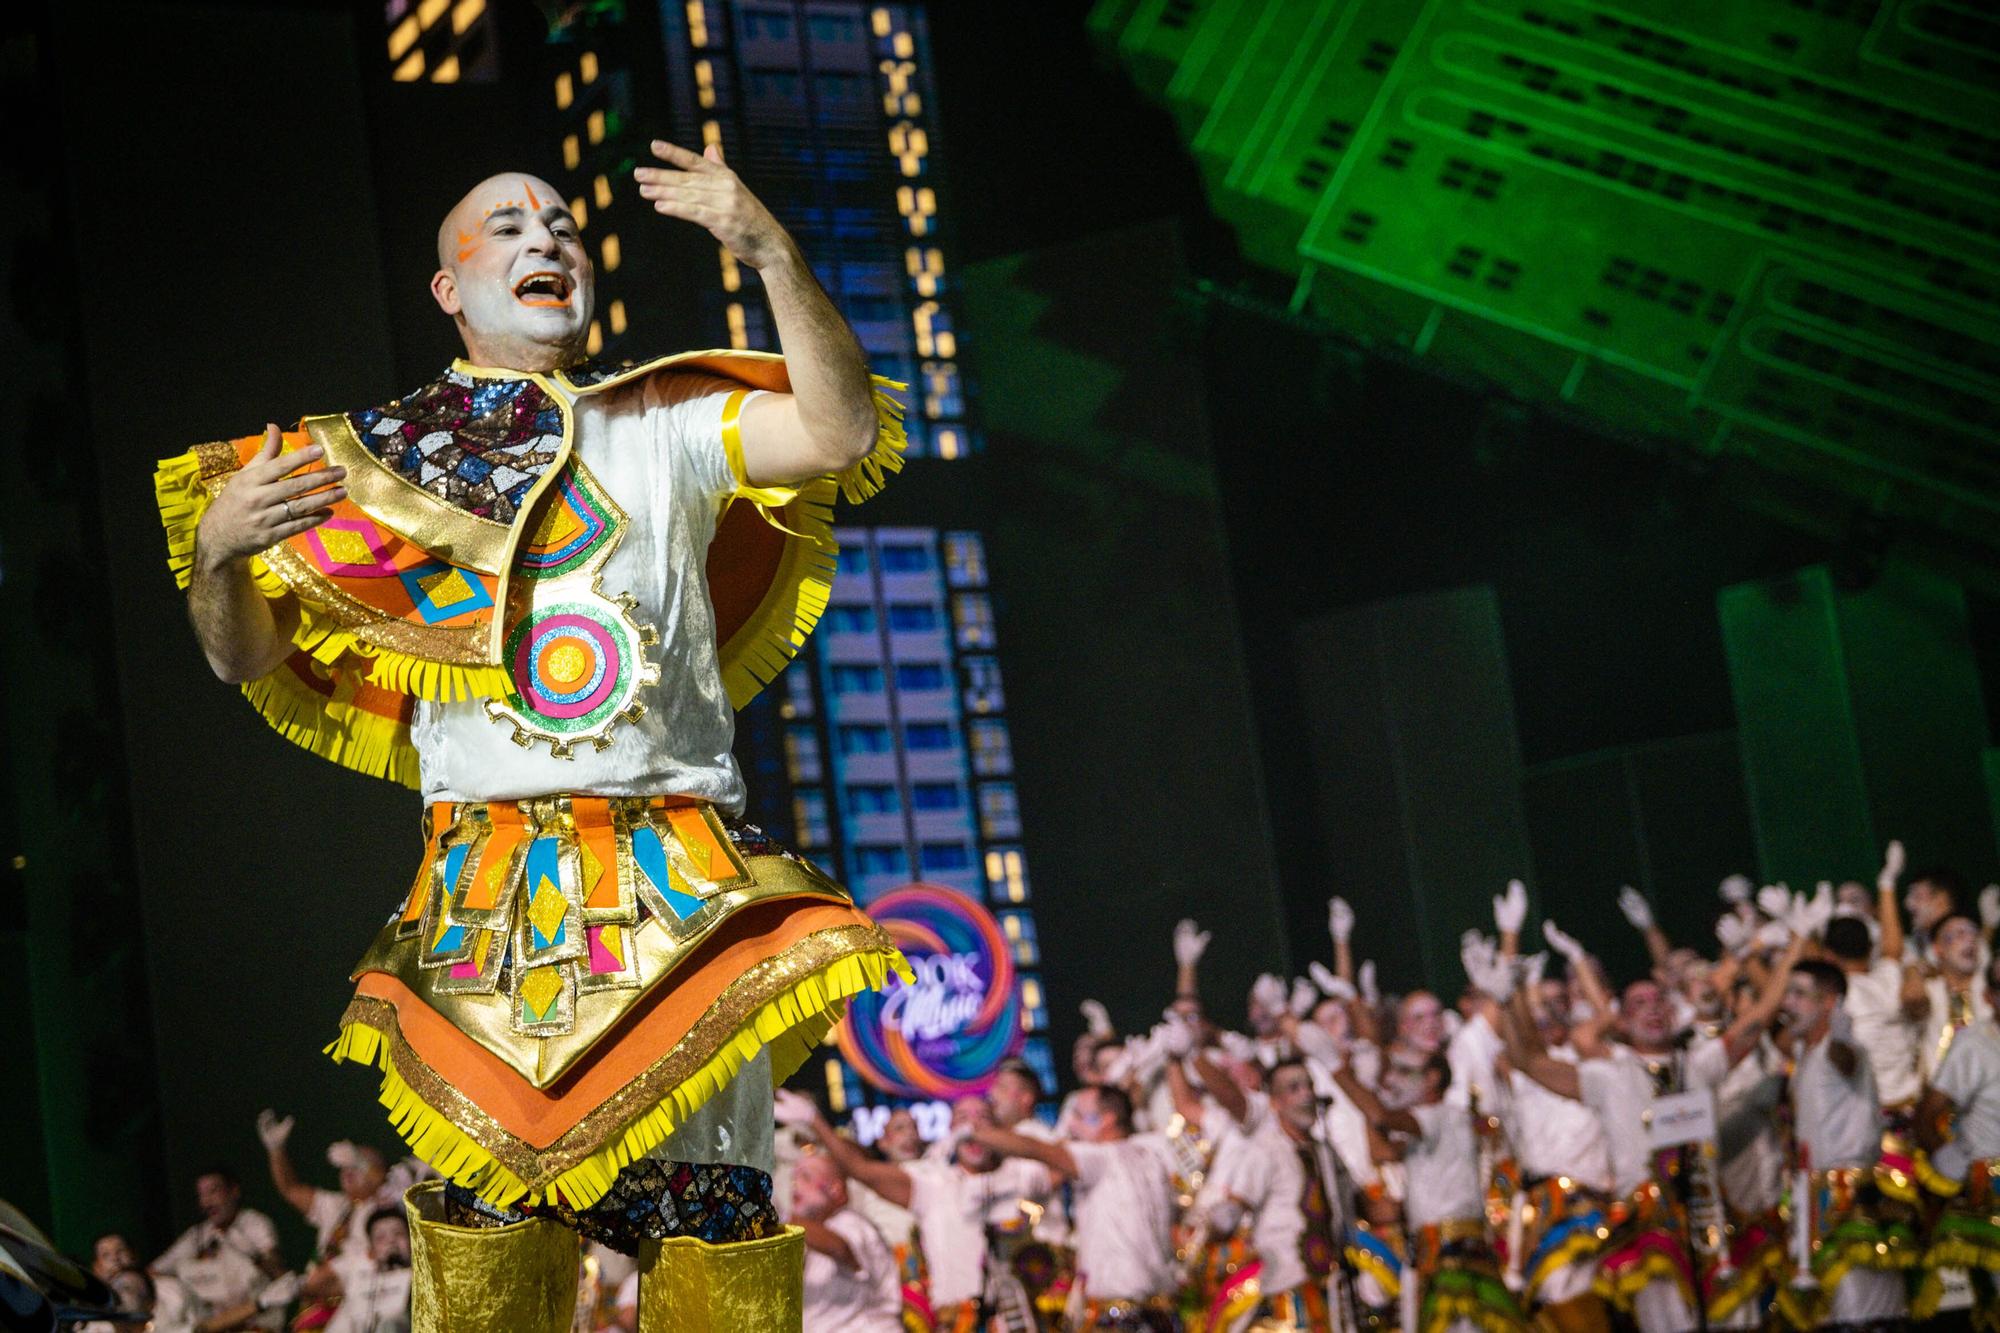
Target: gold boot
point(520, 1278)
point(747, 1286)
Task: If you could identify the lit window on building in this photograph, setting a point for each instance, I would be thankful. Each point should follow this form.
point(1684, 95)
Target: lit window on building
point(850, 619)
point(873, 798)
point(849, 679)
point(880, 859)
point(982, 685)
point(1034, 1012)
point(864, 738)
point(1040, 1059)
point(799, 700)
point(915, 676)
point(964, 560)
point(763, 25)
point(972, 616)
point(927, 736)
point(905, 558)
point(441, 41)
point(853, 559)
point(992, 749)
point(1019, 927)
point(999, 811)
point(936, 796)
point(1006, 875)
point(942, 397)
point(828, 29)
point(941, 858)
point(913, 617)
point(809, 821)
point(801, 754)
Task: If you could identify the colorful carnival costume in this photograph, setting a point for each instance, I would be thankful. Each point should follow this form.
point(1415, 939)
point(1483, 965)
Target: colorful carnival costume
point(538, 602)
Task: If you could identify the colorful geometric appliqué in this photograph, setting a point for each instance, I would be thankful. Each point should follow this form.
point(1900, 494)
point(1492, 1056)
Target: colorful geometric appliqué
point(353, 548)
point(442, 592)
point(478, 444)
point(577, 524)
point(576, 668)
point(651, 856)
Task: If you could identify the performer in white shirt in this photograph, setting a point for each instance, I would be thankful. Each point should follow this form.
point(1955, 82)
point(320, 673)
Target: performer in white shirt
point(1124, 1209)
point(852, 1284)
point(229, 1260)
point(1958, 1126)
point(1862, 1242)
point(375, 1286)
point(953, 1200)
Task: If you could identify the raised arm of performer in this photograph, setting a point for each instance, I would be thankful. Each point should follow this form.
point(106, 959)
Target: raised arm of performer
point(828, 419)
point(1190, 944)
point(1888, 912)
point(1639, 913)
point(1583, 974)
point(886, 1179)
point(1740, 1037)
point(1510, 913)
point(274, 1134)
point(1340, 926)
point(1050, 1153)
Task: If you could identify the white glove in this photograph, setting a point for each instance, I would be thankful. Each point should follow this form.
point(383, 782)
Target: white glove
point(1772, 935)
point(1635, 907)
point(1339, 919)
point(1737, 890)
point(273, 1131)
point(794, 1110)
point(1189, 943)
point(1989, 906)
point(1774, 900)
point(342, 1154)
point(1176, 1035)
point(1892, 867)
point(1532, 968)
point(1316, 1043)
point(278, 1291)
point(1734, 932)
point(1565, 944)
point(1268, 991)
point(1237, 1045)
point(1097, 1019)
point(1510, 909)
point(1333, 987)
point(1146, 1056)
point(1822, 906)
point(1484, 967)
point(1304, 996)
point(1366, 977)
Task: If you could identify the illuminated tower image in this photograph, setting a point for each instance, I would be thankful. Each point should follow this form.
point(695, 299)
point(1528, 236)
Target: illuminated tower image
point(886, 755)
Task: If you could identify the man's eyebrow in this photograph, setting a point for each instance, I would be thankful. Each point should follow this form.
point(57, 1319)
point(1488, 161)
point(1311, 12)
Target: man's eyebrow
point(554, 210)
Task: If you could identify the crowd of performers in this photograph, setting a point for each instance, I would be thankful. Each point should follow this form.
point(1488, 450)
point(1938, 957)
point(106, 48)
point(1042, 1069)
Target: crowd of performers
point(1800, 1131)
point(1529, 1154)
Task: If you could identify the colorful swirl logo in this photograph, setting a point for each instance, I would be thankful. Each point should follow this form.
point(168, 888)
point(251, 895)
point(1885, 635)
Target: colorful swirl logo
point(946, 1034)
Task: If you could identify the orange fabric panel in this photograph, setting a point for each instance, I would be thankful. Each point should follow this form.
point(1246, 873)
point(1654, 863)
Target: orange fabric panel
point(482, 888)
point(656, 1024)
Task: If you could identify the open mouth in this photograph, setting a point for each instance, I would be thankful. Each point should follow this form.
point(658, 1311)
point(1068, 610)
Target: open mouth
point(545, 288)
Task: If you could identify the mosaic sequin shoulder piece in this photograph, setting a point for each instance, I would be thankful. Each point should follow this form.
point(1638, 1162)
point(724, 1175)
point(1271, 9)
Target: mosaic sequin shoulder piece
point(476, 443)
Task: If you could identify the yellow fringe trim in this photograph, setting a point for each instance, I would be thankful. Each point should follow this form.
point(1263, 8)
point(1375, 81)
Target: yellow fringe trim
point(183, 500)
point(865, 479)
point(1629, 1282)
point(789, 1025)
point(351, 737)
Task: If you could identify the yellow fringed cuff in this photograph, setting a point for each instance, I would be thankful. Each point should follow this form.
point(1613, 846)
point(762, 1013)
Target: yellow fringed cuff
point(790, 1024)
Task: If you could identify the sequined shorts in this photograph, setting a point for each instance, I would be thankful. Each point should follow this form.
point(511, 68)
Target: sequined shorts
point(650, 1200)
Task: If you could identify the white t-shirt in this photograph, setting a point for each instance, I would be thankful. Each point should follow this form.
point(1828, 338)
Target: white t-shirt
point(1471, 1053)
point(330, 1211)
point(1619, 1090)
point(952, 1206)
point(1443, 1168)
point(1752, 1166)
point(1125, 1217)
point(1970, 1076)
point(1943, 1013)
point(1875, 1005)
point(1268, 1175)
point(895, 1222)
point(219, 1266)
point(372, 1300)
point(1836, 1117)
point(656, 447)
point(866, 1299)
point(1555, 1136)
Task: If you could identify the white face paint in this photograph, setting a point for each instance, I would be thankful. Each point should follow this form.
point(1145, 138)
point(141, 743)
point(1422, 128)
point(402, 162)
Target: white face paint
point(516, 275)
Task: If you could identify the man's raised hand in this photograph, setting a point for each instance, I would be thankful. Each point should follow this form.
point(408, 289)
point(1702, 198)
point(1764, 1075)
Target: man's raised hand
point(268, 500)
point(698, 188)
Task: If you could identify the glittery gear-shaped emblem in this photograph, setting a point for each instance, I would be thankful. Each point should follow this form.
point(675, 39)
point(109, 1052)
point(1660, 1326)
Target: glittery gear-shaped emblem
point(576, 667)
point(575, 658)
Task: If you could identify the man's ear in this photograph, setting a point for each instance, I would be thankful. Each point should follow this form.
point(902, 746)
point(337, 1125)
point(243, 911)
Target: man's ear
point(444, 289)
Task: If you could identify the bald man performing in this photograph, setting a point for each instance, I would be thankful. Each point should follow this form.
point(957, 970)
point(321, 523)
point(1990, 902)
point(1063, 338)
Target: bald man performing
point(535, 589)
